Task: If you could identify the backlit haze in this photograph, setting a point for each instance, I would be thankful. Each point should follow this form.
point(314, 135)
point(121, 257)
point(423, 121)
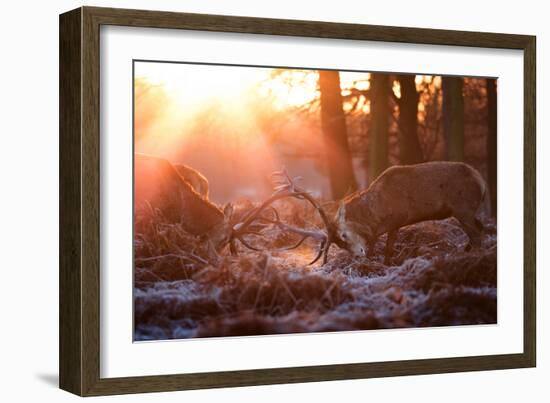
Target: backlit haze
point(236, 124)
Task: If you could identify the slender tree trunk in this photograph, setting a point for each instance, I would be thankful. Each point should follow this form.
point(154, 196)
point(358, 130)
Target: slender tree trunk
point(410, 151)
point(492, 142)
point(333, 122)
point(380, 115)
point(453, 117)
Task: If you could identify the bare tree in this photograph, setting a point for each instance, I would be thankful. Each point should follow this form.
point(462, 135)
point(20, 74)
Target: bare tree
point(333, 123)
point(453, 117)
point(410, 151)
point(380, 117)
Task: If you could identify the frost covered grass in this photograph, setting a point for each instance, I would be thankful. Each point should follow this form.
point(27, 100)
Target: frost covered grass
point(180, 291)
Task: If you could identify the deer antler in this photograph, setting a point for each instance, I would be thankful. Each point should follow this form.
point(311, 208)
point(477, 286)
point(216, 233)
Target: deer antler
point(285, 187)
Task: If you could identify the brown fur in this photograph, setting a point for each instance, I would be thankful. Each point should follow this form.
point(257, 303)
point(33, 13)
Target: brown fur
point(404, 195)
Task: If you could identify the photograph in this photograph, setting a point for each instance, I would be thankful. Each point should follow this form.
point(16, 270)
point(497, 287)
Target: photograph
point(275, 200)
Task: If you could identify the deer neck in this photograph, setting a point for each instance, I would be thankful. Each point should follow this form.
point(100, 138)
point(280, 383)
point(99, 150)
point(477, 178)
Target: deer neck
point(205, 215)
point(359, 211)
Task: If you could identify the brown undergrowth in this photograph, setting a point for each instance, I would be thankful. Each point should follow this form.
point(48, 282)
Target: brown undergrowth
point(180, 291)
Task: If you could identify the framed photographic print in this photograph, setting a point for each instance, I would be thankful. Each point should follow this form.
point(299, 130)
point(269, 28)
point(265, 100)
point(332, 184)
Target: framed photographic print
point(250, 201)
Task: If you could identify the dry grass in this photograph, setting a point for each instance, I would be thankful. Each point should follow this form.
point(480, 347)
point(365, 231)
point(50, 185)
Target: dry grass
point(432, 281)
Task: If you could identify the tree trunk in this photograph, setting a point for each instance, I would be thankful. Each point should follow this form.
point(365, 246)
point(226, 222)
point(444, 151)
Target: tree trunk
point(410, 151)
point(333, 122)
point(492, 142)
point(453, 117)
point(380, 115)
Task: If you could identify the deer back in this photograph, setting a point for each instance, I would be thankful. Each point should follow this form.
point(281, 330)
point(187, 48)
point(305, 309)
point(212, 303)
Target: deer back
point(407, 194)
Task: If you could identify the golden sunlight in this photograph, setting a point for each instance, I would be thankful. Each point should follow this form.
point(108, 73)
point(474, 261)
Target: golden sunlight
point(190, 85)
point(184, 95)
point(290, 88)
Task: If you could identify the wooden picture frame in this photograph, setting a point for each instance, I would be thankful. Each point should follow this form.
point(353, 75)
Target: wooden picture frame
point(79, 347)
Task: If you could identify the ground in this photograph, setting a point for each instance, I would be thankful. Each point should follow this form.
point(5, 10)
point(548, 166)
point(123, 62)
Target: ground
point(180, 292)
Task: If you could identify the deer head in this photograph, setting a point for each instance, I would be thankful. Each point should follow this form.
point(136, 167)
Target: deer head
point(350, 235)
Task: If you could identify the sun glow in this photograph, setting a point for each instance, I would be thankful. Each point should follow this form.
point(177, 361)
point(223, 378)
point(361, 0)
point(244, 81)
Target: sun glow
point(190, 85)
point(173, 99)
point(176, 103)
point(290, 88)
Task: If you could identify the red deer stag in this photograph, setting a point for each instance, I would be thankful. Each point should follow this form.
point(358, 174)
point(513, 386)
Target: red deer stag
point(404, 195)
point(159, 186)
point(400, 196)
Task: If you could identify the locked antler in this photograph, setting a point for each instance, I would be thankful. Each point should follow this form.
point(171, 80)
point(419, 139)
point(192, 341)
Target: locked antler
point(285, 187)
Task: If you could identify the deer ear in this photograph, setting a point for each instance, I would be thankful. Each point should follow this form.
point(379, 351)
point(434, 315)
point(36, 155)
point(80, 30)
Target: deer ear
point(341, 215)
point(228, 211)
